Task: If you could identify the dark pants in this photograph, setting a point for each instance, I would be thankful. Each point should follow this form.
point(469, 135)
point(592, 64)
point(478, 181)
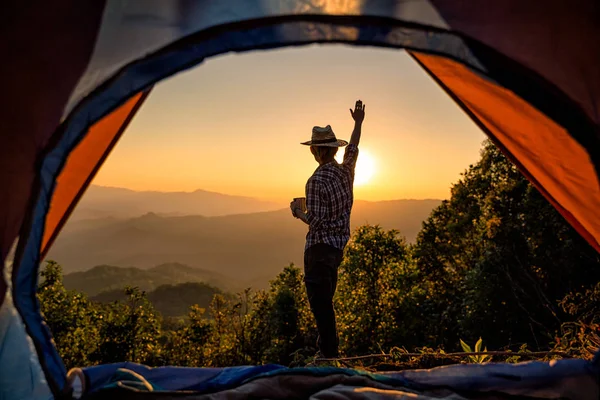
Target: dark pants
point(321, 263)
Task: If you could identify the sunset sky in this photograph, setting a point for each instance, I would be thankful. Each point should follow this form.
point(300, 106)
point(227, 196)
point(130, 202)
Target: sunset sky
point(233, 125)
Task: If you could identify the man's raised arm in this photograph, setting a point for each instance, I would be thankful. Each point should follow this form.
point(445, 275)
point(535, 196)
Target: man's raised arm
point(358, 115)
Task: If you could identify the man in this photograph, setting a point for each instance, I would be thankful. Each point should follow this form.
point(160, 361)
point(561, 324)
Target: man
point(329, 201)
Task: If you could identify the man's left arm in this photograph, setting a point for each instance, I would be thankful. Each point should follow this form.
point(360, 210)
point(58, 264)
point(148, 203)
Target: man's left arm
point(313, 204)
point(301, 215)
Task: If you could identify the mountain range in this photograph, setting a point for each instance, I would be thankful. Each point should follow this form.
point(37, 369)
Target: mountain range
point(103, 201)
point(171, 288)
point(103, 279)
point(171, 300)
point(241, 250)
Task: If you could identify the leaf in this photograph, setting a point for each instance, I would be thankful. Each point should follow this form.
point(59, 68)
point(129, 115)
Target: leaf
point(466, 348)
point(478, 345)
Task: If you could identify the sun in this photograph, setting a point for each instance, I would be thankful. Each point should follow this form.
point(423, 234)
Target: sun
point(365, 167)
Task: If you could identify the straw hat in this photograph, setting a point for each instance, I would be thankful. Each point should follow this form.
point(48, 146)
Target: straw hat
point(324, 137)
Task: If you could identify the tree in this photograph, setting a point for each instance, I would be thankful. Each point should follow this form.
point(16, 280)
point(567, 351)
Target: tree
point(186, 345)
point(581, 336)
point(374, 275)
point(129, 331)
point(499, 258)
point(281, 323)
point(72, 319)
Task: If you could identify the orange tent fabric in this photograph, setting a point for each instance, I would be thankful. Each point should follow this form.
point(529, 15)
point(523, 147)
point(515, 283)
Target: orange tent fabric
point(544, 152)
point(83, 164)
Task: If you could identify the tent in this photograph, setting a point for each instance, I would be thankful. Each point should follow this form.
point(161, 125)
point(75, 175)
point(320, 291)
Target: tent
point(74, 73)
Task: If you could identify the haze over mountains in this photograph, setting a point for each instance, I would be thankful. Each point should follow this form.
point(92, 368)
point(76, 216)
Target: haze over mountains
point(171, 288)
point(248, 248)
point(106, 278)
point(102, 202)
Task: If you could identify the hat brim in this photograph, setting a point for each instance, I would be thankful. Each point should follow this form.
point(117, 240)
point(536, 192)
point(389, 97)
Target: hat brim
point(338, 143)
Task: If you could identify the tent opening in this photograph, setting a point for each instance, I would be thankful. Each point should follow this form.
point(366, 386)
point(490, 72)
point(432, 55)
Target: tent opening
point(519, 228)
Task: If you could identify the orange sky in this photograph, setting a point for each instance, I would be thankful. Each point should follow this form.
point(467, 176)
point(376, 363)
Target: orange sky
point(233, 125)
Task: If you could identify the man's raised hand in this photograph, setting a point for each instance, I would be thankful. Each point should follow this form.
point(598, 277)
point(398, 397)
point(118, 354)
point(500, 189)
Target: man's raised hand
point(358, 114)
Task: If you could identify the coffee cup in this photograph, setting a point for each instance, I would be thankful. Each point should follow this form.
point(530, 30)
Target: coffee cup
point(300, 202)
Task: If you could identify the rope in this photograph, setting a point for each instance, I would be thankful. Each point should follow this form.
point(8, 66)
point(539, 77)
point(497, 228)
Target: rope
point(442, 355)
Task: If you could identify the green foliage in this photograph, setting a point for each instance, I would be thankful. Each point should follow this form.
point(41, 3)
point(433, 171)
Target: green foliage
point(375, 290)
point(523, 351)
point(478, 359)
point(281, 322)
point(186, 345)
point(169, 300)
point(498, 258)
point(581, 336)
point(72, 319)
point(494, 261)
point(101, 279)
point(129, 331)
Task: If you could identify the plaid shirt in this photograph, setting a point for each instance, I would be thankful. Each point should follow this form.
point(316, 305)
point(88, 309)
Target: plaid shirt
point(329, 201)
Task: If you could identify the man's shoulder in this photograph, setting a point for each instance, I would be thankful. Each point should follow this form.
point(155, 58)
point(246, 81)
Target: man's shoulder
point(328, 172)
point(323, 170)
point(319, 176)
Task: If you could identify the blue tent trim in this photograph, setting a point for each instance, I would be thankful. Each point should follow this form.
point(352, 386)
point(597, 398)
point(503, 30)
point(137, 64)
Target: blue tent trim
point(141, 75)
point(178, 378)
point(527, 379)
point(211, 380)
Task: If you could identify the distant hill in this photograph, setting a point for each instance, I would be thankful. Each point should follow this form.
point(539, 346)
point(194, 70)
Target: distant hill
point(170, 300)
point(248, 248)
point(103, 202)
point(106, 278)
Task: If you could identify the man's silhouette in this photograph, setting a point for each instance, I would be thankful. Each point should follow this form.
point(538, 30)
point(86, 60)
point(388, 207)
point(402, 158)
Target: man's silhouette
point(329, 198)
